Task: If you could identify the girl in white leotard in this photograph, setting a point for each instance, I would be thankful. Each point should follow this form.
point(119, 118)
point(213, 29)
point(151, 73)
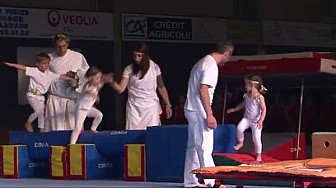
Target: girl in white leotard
point(86, 100)
point(255, 112)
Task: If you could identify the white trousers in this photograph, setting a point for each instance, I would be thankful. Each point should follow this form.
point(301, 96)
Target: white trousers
point(60, 114)
point(199, 149)
point(256, 133)
point(38, 107)
point(81, 114)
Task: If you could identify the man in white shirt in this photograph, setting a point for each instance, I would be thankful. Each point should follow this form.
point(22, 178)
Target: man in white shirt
point(201, 87)
point(60, 107)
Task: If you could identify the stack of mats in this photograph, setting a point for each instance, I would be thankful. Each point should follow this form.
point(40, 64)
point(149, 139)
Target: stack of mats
point(166, 149)
point(86, 163)
point(135, 162)
point(58, 163)
point(292, 168)
point(317, 170)
point(111, 146)
point(15, 163)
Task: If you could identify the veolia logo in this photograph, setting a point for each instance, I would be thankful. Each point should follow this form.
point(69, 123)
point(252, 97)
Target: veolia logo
point(41, 145)
point(55, 18)
point(104, 165)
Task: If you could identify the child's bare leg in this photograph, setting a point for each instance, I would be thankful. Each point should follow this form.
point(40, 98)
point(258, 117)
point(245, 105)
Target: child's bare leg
point(29, 126)
point(259, 158)
point(239, 145)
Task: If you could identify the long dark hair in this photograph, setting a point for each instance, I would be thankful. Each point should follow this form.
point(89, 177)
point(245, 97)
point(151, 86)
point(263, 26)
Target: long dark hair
point(143, 66)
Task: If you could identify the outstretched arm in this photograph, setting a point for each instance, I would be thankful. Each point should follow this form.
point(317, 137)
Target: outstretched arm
point(164, 94)
point(17, 66)
point(237, 108)
point(120, 87)
point(65, 77)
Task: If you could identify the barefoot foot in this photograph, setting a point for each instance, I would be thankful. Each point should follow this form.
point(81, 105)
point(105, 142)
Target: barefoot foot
point(94, 131)
point(29, 126)
point(258, 158)
point(238, 146)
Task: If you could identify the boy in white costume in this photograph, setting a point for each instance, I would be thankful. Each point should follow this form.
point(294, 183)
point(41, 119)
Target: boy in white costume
point(39, 82)
point(142, 79)
point(254, 115)
point(86, 100)
point(60, 107)
point(201, 122)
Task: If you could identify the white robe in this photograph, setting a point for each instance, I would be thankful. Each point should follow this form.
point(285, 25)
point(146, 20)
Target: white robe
point(143, 106)
point(60, 107)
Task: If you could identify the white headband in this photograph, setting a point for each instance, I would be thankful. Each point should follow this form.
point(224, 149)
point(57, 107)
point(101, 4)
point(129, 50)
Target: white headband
point(255, 82)
point(263, 88)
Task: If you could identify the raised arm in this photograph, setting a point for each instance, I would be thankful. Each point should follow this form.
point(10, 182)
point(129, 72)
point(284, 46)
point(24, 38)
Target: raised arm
point(65, 77)
point(205, 99)
point(17, 66)
point(164, 94)
point(120, 87)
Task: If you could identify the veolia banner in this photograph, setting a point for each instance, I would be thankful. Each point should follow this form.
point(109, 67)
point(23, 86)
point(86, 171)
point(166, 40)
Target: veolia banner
point(44, 23)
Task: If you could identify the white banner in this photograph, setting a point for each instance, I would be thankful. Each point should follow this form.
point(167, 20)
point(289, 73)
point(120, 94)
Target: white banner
point(43, 23)
point(299, 34)
point(173, 29)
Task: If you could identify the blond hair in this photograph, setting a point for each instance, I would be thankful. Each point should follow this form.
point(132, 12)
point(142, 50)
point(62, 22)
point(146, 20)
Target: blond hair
point(257, 81)
point(92, 71)
point(43, 56)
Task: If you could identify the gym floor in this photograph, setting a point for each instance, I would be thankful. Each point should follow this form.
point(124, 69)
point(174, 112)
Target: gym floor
point(48, 183)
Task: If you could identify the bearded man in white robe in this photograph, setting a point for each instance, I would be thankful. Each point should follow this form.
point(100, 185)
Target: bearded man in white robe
point(60, 107)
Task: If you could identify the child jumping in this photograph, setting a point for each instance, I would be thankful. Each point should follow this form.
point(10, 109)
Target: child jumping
point(40, 80)
point(86, 100)
point(255, 112)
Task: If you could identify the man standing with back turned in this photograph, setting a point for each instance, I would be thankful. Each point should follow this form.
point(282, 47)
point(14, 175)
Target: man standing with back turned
point(201, 122)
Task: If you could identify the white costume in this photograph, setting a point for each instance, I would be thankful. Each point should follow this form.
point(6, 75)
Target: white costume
point(84, 108)
point(200, 136)
point(60, 108)
point(143, 107)
point(38, 85)
point(251, 117)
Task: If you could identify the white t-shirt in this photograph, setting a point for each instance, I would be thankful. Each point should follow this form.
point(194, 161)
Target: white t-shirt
point(205, 71)
point(39, 82)
point(142, 92)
